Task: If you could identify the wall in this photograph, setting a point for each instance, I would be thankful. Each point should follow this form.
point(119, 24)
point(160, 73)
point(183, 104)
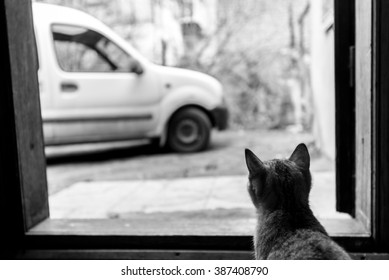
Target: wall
point(323, 78)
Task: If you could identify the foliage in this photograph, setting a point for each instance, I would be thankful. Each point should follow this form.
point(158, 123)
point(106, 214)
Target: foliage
point(253, 52)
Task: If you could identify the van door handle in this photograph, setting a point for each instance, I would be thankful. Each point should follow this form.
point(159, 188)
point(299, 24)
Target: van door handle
point(69, 87)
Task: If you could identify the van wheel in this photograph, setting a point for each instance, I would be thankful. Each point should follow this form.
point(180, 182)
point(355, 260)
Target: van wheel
point(189, 131)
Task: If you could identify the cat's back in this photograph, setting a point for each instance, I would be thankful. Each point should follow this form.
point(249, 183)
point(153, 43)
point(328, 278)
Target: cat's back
point(305, 244)
point(286, 227)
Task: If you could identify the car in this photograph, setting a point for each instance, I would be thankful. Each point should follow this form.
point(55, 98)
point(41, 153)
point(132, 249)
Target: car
point(96, 87)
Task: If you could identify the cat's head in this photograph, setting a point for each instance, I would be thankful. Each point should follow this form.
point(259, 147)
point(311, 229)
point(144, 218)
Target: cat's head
point(279, 183)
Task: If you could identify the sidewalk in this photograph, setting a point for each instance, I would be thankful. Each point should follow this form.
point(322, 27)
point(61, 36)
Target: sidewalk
point(116, 199)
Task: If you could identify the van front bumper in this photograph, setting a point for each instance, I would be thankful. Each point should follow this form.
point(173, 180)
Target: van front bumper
point(220, 117)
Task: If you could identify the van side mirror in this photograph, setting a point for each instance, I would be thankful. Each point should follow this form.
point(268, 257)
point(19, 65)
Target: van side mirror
point(136, 67)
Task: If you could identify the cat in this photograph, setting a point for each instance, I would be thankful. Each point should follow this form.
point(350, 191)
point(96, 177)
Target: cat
point(286, 227)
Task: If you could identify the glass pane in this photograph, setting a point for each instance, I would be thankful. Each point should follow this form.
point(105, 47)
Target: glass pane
point(155, 149)
point(115, 54)
point(81, 50)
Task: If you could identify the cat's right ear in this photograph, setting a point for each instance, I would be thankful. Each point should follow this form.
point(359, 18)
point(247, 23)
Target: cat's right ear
point(301, 157)
point(254, 164)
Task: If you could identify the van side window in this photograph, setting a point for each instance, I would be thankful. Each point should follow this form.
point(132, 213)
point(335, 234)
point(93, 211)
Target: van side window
point(79, 49)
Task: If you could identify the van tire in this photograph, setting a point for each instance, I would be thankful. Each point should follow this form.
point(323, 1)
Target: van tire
point(189, 131)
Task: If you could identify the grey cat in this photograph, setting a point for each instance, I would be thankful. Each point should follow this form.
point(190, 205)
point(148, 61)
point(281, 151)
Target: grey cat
point(286, 226)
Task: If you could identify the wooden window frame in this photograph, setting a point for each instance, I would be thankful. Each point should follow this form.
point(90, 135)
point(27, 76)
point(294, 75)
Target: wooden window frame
point(28, 233)
point(344, 20)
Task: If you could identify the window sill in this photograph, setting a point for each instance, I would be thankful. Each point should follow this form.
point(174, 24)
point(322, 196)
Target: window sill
point(173, 226)
point(176, 239)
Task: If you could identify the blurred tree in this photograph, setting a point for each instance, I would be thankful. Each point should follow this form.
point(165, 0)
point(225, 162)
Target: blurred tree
point(261, 60)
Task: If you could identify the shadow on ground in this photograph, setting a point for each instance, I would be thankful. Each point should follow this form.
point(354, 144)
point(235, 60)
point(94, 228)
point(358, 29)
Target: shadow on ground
point(93, 154)
point(104, 155)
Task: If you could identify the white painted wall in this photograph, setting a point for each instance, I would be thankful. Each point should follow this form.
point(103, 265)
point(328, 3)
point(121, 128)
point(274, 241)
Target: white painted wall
point(205, 13)
point(323, 80)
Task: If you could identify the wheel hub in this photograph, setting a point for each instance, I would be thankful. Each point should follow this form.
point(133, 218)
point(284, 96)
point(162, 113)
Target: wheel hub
point(187, 131)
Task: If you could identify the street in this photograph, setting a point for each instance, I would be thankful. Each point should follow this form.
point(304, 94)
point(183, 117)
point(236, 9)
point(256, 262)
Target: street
point(126, 161)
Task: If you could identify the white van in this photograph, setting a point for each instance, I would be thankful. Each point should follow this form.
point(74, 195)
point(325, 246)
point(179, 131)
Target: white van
point(94, 86)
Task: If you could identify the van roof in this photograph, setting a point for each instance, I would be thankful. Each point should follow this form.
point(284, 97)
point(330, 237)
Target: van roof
point(51, 13)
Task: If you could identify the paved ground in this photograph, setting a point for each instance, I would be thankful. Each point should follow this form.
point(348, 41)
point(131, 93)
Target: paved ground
point(125, 161)
point(117, 181)
point(118, 199)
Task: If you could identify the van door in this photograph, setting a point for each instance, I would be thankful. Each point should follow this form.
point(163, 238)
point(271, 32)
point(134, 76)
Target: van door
point(100, 91)
point(44, 93)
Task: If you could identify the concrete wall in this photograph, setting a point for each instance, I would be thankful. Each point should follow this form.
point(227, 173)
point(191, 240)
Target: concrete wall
point(323, 78)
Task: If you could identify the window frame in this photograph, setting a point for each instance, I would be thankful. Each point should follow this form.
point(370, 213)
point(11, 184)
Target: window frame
point(380, 174)
point(23, 191)
point(344, 32)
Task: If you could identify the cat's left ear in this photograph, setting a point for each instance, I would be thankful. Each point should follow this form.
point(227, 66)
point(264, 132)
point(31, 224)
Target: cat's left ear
point(301, 157)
